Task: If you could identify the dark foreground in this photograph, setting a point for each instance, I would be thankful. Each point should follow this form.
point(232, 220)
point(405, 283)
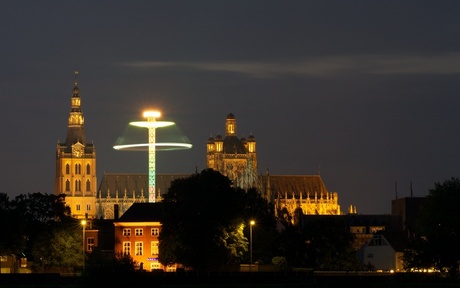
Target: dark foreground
point(227, 280)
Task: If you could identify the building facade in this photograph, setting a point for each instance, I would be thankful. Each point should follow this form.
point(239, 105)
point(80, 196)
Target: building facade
point(136, 234)
point(233, 157)
point(76, 164)
point(305, 192)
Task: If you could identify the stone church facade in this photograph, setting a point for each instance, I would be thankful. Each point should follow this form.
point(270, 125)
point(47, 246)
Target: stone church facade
point(76, 164)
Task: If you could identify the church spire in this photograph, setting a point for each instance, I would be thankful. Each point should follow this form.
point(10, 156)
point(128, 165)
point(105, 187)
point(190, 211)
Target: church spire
point(76, 122)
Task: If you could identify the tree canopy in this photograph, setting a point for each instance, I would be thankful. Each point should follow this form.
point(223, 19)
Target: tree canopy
point(39, 227)
point(438, 229)
point(206, 223)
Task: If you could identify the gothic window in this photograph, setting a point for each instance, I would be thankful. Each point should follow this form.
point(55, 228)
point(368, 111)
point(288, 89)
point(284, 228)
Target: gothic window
point(67, 185)
point(88, 185)
point(88, 169)
point(67, 169)
point(77, 185)
point(139, 248)
point(77, 168)
point(127, 248)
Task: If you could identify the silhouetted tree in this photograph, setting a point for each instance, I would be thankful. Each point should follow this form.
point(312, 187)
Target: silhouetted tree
point(321, 243)
point(202, 226)
point(100, 262)
point(27, 219)
point(12, 239)
point(330, 244)
point(439, 229)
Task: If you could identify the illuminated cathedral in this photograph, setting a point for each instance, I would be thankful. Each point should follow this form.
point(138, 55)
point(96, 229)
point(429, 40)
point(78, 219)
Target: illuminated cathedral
point(233, 157)
point(236, 158)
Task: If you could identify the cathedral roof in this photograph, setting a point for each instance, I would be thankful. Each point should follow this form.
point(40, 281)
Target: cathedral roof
point(295, 184)
point(233, 145)
point(134, 183)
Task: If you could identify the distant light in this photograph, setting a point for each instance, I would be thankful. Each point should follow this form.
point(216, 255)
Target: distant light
point(83, 222)
point(154, 114)
point(252, 222)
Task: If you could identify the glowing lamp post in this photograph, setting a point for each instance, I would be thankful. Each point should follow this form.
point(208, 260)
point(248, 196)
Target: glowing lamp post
point(250, 242)
point(83, 224)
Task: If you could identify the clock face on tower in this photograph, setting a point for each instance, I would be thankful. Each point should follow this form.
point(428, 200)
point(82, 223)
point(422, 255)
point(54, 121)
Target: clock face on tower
point(77, 151)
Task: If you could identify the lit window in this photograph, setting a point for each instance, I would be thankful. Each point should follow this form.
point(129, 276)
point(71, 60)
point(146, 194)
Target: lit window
point(154, 247)
point(126, 232)
point(155, 231)
point(155, 265)
point(90, 243)
point(139, 232)
point(139, 248)
point(127, 248)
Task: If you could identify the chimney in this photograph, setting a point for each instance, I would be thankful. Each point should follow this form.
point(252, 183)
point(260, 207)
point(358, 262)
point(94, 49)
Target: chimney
point(115, 211)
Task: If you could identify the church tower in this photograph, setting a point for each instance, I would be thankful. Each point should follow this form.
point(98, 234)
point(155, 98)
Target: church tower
point(233, 157)
point(76, 164)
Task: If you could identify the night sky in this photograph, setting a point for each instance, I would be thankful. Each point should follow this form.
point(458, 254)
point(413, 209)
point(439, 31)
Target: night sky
point(366, 93)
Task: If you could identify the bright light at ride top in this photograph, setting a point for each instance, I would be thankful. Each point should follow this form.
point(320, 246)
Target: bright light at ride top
point(154, 114)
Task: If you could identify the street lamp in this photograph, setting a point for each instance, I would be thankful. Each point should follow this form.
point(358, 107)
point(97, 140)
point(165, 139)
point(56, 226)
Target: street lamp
point(252, 222)
point(83, 224)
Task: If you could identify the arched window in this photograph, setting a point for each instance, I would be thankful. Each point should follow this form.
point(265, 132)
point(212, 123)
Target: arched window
point(88, 169)
point(67, 169)
point(77, 185)
point(77, 168)
point(67, 185)
point(88, 185)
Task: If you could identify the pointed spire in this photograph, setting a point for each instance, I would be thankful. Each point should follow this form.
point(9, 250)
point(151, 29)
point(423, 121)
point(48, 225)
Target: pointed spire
point(76, 121)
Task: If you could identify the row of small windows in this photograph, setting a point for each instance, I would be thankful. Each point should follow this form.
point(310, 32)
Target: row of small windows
point(77, 169)
point(77, 185)
point(140, 232)
point(78, 207)
point(139, 248)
